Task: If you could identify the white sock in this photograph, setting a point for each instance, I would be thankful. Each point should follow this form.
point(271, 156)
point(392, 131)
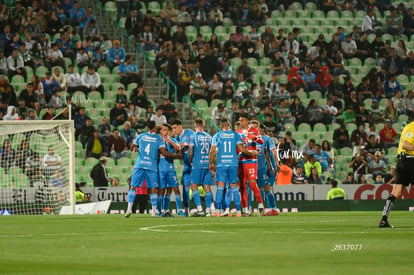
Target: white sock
point(130, 206)
point(154, 209)
point(199, 208)
point(227, 210)
point(245, 210)
point(261, 205)
point(208, 210)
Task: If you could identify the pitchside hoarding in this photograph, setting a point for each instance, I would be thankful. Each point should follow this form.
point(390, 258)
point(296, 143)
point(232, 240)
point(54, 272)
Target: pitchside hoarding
point(282, 193)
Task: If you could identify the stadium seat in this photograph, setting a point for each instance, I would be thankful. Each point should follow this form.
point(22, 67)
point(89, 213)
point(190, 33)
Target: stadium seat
point(206, 32)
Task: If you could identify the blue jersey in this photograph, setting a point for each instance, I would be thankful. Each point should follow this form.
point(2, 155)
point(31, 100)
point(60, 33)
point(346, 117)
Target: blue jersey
point(261, 158)
point(148, 145)
point(201, 143)
point(184, 140)
point(226, 142)
point(167, 164)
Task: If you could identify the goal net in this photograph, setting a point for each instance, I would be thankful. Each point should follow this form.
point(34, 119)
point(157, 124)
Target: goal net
point(36, 166)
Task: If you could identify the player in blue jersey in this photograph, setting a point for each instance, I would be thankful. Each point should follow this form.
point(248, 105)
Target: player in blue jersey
point(225, 145)
point(269, 179)
point(200, 174)
point(149, 145)
point(168, 176)
point(184, 138)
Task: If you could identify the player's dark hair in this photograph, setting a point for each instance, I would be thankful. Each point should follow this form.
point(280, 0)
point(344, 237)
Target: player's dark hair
point(199, 122)
point(168, 126)
point(151, 125)
point(176, 122)
point(245, 115)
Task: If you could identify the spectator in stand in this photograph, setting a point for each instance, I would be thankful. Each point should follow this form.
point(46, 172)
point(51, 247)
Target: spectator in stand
point(158, 117)
point(50, 85)
point(179, 38)
point(139, 97)
point(169, 14)
point(312, 163)
point(86, 131)
point(284, 177)
point(368, 23)
point(118, 115)
point(54, 57)
point(128, 72)
point(390, 112)
point(409, 64)
point(82, 58)
point(215, 87)
point(55, 100)
point(73, 80)
point(299, 175)
point(168, 109)
point(341, 137)
point(216, 16)
point(323, 158)
point(314, 177)
point(121, 97)
point(116, 55)
point(29, 97)
point(357, 134)
point(3, 63)
point(408, 23)
point(11, 113)
point(324, 78)
point(359, 166)
point(377, 114)
point(218, 113)
point(93, 30)
point(408, 102)
point(349, 115)
point(391, 86)
point(96, 146)
point(307, 149)
point(349, 47)
point(394, 21)
point(393, 63)
point(377, 165)
point(309, 81)
point(91, 81)
point(128, 133)
point(51, 162)
point(197, 88)
point(389, 178)
point(80, 120)
point(117, 145)
point(387, 135)
point(16, 64)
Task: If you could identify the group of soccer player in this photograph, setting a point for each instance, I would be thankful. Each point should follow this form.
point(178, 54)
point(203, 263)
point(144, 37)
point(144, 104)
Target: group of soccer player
point(240, 161)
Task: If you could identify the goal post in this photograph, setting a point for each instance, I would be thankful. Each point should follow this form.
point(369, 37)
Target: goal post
point(37, 167)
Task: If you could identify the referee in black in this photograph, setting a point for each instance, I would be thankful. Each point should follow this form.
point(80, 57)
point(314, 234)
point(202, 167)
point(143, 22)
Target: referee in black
point(404, 170)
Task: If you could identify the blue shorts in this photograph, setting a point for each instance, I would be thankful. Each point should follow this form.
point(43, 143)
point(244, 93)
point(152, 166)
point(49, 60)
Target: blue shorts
point(186, 179)
point(262, 177)
point(201, 177)
point(227, 174)
point(139, 175)
point(168, 179)
point(271, 179)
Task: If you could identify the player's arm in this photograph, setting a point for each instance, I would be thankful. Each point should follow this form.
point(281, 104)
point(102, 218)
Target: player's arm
point(176, 146)
point(408, 146)
point(245, 151)
point(212, 158)
point(276, 157)
point(269, 162)
point(191, 153)
point(167, 154)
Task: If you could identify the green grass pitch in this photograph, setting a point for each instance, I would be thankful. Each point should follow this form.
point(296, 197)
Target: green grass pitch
point(291, 243)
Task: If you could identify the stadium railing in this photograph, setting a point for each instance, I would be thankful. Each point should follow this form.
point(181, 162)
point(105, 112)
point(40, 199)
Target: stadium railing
point(163, 77)
point(192, 109)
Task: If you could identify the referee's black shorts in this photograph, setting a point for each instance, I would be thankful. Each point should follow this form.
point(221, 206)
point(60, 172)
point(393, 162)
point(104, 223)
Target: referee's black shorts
point(405, 171)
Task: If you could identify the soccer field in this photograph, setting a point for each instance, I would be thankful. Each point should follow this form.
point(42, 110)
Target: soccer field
point(293, 243)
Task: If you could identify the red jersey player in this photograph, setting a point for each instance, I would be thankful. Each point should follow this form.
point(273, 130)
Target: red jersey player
point(248, 164)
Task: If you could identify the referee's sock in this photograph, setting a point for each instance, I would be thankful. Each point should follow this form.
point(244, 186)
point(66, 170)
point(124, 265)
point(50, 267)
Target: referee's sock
point(388, 205)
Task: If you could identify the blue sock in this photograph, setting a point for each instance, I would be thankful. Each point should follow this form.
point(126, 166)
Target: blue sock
point(196, 198)
point(209, 199)
point(271, 199)
point(154, 199)
point(131, 196)
point(219, 197)
point(227, 199)
point(178, 202)
point(167, 199)
point(236, 197)
point(159, 204)
point(262, 192)
point(186, 196)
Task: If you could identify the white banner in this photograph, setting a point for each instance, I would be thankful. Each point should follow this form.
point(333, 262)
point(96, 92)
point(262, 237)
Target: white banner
point(282, 193)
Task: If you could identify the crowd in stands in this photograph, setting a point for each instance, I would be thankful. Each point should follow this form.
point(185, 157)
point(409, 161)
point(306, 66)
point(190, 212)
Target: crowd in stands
point(229, 51)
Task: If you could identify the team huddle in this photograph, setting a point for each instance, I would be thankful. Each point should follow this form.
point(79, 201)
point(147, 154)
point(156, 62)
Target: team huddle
point(239, 162)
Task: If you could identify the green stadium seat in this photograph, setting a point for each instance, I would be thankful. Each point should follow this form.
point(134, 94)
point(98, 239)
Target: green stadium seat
point(155, 7)
point(304, 127)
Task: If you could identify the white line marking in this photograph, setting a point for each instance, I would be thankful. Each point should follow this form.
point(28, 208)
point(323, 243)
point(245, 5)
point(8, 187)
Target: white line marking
point(155, 229)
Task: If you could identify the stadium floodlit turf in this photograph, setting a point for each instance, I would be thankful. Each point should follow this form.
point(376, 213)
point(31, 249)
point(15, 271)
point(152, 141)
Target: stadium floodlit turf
point(293, 243)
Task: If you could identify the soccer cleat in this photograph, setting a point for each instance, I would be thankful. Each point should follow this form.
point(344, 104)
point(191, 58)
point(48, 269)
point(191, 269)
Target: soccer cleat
point(128, 214)
point(246, 214)
point(208, 214)
point(167, 214)
point(238, 215)
point(160, 215)
point(181, 214)
point(385, 224)
point(269, 213)
point(218, 214)
point(275, 212)
point(261, 212)
point(225, 214)
point(199, 214)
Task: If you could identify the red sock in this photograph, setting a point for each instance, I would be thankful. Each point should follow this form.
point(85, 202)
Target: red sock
point(256, 191)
